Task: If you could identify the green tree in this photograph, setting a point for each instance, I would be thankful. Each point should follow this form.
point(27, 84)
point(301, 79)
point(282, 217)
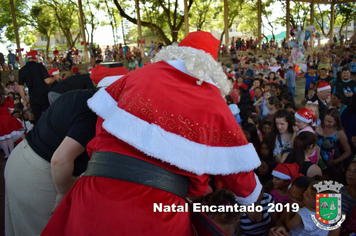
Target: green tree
point(67, 16)
point(299, 15)
point(345, 13)
point(91, 9)
point(168, 12)
point(6, 26)
point(322, 18)
point(201, 14)
point(42, 19)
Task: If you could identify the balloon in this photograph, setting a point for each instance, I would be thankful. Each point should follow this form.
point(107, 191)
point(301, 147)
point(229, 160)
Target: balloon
point(294, 54)
point(310, 28)
point(292, 44)
point(307, 35)
point(300, 38)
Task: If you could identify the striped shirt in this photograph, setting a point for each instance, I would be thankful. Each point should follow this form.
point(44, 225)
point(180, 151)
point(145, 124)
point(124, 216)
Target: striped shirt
point(261, 228)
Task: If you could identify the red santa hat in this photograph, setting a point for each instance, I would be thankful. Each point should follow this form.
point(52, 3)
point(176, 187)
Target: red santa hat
point(32, 54)
point(286, 171)
point(160, 111)
point(306, 115)
point(323, 86)
point(53, 72)
point(100, 72)
point(202, 40)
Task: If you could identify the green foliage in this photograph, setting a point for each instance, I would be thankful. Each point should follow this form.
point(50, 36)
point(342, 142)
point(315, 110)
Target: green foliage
point(6, 26)
point(299, 14)
point(202, 13)
point(67, 16)
point(345, 13)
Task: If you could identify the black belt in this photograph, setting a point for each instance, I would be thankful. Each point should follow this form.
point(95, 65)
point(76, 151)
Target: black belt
point(118, 166)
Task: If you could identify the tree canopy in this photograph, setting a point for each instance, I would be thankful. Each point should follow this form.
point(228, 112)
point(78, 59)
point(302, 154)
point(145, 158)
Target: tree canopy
point(163, 18)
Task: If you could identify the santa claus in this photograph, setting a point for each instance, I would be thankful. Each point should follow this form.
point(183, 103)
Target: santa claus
point(162, 131)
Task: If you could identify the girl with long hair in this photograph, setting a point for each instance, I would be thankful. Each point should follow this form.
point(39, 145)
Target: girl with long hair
point(283, 130)
point(303, 146)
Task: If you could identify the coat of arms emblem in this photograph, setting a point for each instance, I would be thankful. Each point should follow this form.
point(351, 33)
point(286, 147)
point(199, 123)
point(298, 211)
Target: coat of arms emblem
point(328, 205)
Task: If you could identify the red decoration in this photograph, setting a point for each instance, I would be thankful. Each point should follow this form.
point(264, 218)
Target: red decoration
point(143, 41)
point(17, 50)
point(21, 49)
point(139, 41)
point(87, 43)
point(261, 37)
point(82, 43)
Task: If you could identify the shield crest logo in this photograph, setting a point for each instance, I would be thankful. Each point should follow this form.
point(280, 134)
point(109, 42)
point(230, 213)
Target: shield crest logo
point(328, 208)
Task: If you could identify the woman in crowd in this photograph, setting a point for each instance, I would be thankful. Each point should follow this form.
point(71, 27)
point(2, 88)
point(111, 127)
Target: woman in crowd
point(331, 134)
point(336, 101)
point(272, 78)
point(303, 146)
point(273, 106)
point(283, 130)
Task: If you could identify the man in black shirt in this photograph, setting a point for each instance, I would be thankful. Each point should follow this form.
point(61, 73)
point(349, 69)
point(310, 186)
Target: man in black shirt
point(36, 78)
point(79, 81)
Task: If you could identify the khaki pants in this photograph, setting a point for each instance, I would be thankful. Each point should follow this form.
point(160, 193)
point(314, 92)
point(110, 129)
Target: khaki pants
point(29, 192)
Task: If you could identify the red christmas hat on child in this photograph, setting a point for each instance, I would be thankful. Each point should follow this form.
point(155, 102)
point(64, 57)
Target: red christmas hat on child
point(202, 40)
point(100, 72)
point(53, 72)
point(32, 54)
point(323, 86)
point(286, 171)
point(306, 115)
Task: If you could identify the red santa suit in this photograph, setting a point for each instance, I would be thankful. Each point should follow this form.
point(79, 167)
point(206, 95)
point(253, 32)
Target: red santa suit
point(164, 115)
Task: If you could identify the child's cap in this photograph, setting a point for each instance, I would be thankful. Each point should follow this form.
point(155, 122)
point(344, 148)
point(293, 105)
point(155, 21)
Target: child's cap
point(286, 171)
point(53, 72)
point(306, 115)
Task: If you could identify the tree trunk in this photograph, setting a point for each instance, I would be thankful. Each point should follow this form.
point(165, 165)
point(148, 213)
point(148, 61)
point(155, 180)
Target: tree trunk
point(47, 46)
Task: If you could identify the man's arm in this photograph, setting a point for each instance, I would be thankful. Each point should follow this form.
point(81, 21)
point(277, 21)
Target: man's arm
point(22, 94)
point(49, 80)
point(62, 165)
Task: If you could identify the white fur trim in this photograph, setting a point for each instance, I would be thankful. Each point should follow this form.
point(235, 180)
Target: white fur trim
point(253, 196)
point(324, 88)
point(305, 120)
point(281, 175)
point(106, 81)
point(7, 136)
point(199, 63)
point(55, 73)
point(180, 65)
point(169, 147)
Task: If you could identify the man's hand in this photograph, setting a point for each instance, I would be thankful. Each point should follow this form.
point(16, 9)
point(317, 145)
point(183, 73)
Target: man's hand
point(349, 94)
point(59, 198)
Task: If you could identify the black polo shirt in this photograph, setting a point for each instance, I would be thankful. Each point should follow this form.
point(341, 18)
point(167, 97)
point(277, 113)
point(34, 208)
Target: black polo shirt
point(33, 75)
point(72, 83)
point(68, 116)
